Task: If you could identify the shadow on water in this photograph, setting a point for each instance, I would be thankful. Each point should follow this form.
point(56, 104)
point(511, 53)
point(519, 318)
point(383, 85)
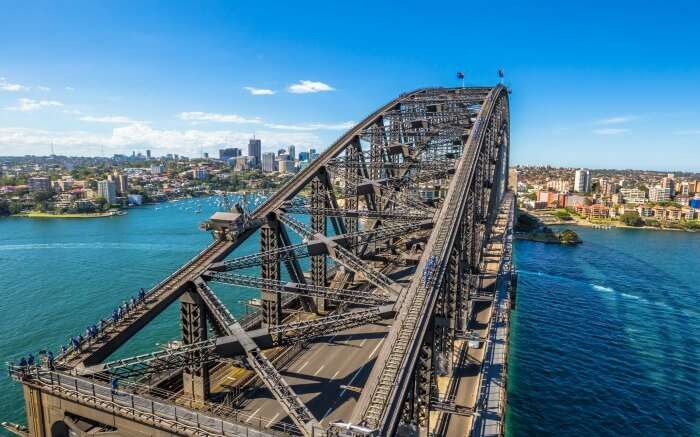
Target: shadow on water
point(600, 340)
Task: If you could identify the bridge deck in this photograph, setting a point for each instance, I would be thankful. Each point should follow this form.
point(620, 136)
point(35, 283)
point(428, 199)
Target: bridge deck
point(327, 376)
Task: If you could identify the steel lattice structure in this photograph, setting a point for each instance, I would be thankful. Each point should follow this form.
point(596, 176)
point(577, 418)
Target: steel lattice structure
point(393, 220)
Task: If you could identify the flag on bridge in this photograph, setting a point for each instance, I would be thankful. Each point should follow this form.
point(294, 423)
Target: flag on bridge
point(460, 75)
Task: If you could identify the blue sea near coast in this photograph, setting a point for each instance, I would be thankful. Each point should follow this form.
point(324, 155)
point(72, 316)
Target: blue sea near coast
point(57, 276)
point(604, 338)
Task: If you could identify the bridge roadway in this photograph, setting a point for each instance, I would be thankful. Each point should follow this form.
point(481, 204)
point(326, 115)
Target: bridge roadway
point(317, 374)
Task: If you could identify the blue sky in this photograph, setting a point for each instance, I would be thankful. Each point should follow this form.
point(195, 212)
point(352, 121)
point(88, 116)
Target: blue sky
point(594, 84)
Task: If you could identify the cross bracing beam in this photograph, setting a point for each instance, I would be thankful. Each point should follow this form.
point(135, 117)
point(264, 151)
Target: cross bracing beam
point(397, 215)
point(278, 386)
point(318, 244)
point(379, 401)
point(345, 257)
point(335, 294)
point(231, 347)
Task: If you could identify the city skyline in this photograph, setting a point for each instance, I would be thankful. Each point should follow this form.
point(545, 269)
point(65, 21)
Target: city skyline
point(587, 92)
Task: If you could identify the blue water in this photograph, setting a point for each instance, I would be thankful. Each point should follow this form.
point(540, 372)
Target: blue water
point(605, 336)
point(59, 275)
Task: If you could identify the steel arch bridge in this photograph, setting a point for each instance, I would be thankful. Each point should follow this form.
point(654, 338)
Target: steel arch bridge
point(396, 222)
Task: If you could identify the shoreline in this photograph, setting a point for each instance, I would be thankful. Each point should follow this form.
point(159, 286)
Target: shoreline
point(551, 221)
point(617, 225)
point(45, 215)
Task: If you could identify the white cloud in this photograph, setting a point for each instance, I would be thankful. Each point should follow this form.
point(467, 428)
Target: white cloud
point(69, 88)
point(43, 88)
point(18, 141)
point(258, 91)
point(112, 119)
point(610, 131)
point(307, 86)
point(221, 118)
point(26, 105)
point(312, 126)
point(617, 120)
point(7, 86)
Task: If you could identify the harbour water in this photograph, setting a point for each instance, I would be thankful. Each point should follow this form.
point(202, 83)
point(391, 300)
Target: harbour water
point(57, 276)
point(604, 339)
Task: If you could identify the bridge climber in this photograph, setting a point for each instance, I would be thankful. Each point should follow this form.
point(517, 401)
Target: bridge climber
point(374, 250)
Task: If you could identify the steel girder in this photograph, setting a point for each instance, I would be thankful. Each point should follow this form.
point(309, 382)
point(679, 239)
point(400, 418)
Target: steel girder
point(387, 385)
point(317, 291)
point(403, 144)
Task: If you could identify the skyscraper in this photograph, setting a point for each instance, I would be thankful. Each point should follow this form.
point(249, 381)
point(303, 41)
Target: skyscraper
point(226, 154)
point(268, 162)
point(121, 182)
point(255, 150)
point(108, 190)
point(292, 152)
point(582, 181)
point(148, 154)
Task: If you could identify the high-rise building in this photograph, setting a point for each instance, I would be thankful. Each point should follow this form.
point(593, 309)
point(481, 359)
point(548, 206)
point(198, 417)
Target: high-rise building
point(633, 195)
point(560, 185)
point(39, 184)
point(582, 181)
point(304, 156)
point(255, 151)
point(286, 166)
point(121, 182)
point(231, 152)
point(513, 179)
point(670, 183)
point(199, 174)
point(659, 194)
point(291, 151)
point(108, 190)
point(157, 169)
point(148, 154)
point(242, 163)
point(268, 162)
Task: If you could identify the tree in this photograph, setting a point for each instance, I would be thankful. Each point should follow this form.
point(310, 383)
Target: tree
point(41, 196)
point(569, 237)
point(562, 214)
point(526, 223)
point(100, 202)
point(4, 207)
point(631, 218)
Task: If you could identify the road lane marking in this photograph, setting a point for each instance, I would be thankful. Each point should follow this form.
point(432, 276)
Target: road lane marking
point(319, 369)
point(253, 415)
point(327, 413)
point(375, 349)
point(335, 374)
point(272, 420)
point(363, 342)
point(342, 393)
point(302, 367)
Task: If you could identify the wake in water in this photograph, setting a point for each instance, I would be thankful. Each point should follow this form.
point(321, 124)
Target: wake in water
point(94, 246)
